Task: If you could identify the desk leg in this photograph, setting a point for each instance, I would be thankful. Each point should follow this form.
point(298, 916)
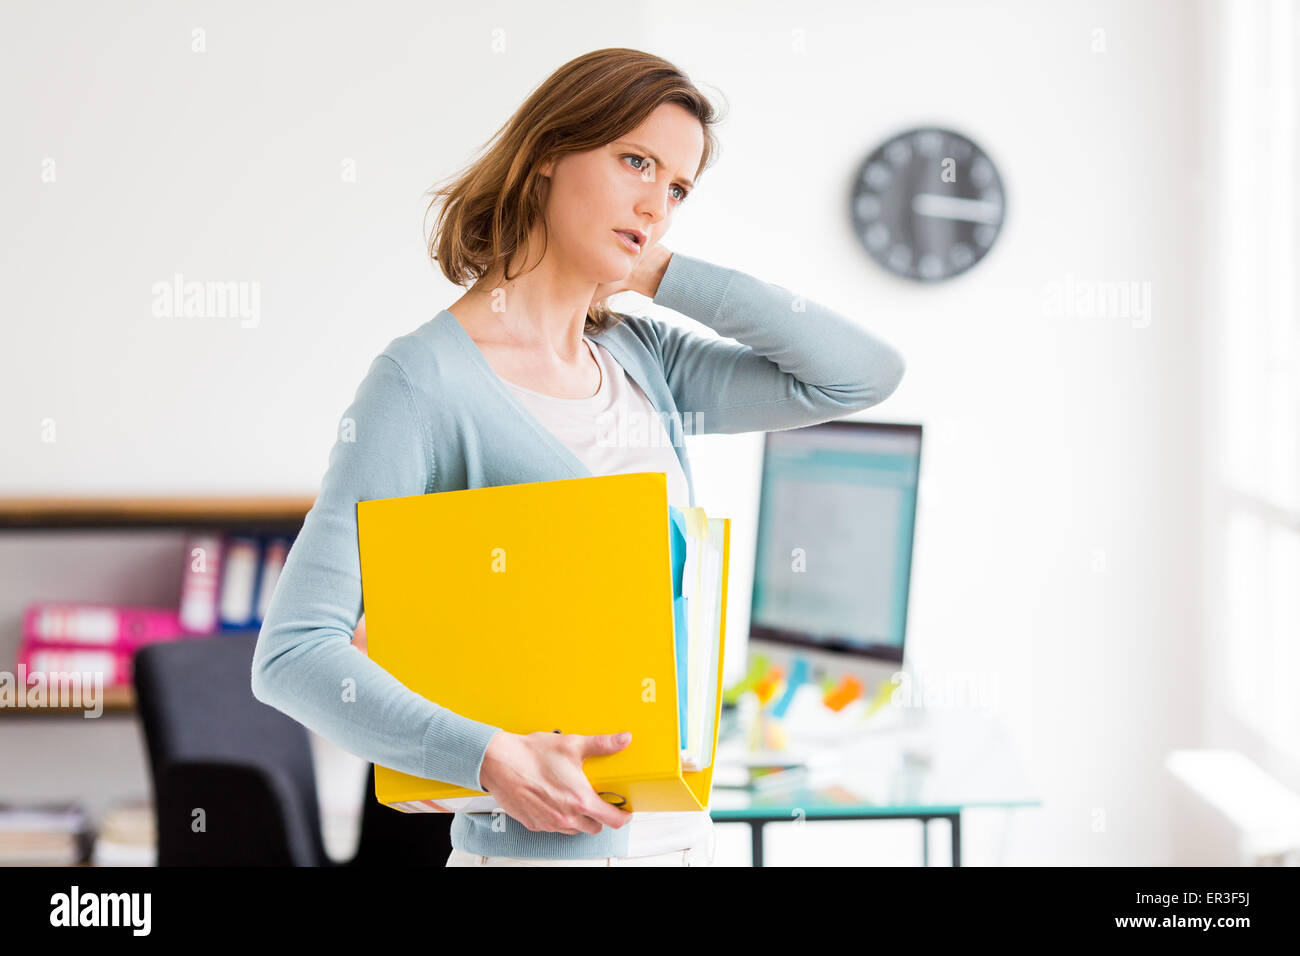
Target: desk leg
point(925, 841)
point(756, 842)
point(955, 821)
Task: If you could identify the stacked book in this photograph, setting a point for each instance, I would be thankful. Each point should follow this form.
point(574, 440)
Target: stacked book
point(127, 837)
point(43, 834)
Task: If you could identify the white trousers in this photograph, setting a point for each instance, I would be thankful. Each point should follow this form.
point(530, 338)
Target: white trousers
point(694, 856)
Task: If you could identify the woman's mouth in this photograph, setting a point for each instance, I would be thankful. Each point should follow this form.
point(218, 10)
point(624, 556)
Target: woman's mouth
point(628, 242)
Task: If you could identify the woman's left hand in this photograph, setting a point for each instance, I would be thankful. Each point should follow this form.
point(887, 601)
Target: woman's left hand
point(651, 264)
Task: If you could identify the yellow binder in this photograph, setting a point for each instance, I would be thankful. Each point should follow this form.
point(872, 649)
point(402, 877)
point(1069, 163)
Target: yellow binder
point(535, 607)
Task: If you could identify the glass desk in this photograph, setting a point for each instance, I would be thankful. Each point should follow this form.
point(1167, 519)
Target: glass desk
point(901, 763)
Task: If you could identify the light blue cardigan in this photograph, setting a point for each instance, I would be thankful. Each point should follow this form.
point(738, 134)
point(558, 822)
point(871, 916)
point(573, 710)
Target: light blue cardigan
point(431, 415)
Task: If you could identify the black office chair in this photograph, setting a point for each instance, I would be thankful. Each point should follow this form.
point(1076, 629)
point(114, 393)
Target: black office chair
point(233, 778)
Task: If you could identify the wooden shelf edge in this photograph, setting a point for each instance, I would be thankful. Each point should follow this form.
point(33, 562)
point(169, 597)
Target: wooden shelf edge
point(153, 511)
point(118, 699)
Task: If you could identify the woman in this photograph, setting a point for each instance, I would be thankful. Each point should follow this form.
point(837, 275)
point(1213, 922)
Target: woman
point(529, 376)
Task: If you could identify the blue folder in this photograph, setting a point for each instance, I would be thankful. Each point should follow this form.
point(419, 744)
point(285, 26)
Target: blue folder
point(677, 551)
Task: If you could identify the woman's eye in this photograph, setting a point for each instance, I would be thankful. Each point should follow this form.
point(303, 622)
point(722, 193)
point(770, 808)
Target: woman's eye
point(648, 164)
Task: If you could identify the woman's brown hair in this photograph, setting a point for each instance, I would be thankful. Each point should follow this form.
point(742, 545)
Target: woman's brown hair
point(490, 206)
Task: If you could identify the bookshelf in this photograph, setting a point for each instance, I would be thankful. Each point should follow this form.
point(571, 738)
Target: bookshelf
point(253, 514)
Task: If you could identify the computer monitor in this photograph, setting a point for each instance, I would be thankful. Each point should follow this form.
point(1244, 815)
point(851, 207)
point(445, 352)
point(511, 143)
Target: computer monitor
point(833, 555)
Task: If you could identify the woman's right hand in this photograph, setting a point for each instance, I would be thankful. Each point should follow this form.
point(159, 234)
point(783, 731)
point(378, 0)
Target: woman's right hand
point(538, 780)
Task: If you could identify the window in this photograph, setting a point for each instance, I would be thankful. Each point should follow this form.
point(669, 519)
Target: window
point(1253, 375)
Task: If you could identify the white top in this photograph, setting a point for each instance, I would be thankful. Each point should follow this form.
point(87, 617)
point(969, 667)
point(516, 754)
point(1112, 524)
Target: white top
point(617, 431)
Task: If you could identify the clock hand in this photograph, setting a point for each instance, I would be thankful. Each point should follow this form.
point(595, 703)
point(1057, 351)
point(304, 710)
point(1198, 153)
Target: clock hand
point(954, 207)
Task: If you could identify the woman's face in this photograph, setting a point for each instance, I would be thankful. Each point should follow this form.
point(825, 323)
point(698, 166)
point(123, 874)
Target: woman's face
point(635, 183)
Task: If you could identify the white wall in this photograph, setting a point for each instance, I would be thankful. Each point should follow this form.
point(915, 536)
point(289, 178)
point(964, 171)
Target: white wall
point(1058, 529)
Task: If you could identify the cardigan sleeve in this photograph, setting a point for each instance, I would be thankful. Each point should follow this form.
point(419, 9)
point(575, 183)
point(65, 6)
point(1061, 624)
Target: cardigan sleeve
point(305, 664)
point(794, 362)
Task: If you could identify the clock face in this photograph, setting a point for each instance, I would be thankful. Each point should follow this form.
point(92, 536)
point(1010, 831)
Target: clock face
point(927, 204)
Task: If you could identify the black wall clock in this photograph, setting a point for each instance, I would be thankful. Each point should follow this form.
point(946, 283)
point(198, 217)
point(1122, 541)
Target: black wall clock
point(927, 204)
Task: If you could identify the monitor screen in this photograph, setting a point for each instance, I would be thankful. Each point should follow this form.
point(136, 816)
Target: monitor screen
point(833, 555)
